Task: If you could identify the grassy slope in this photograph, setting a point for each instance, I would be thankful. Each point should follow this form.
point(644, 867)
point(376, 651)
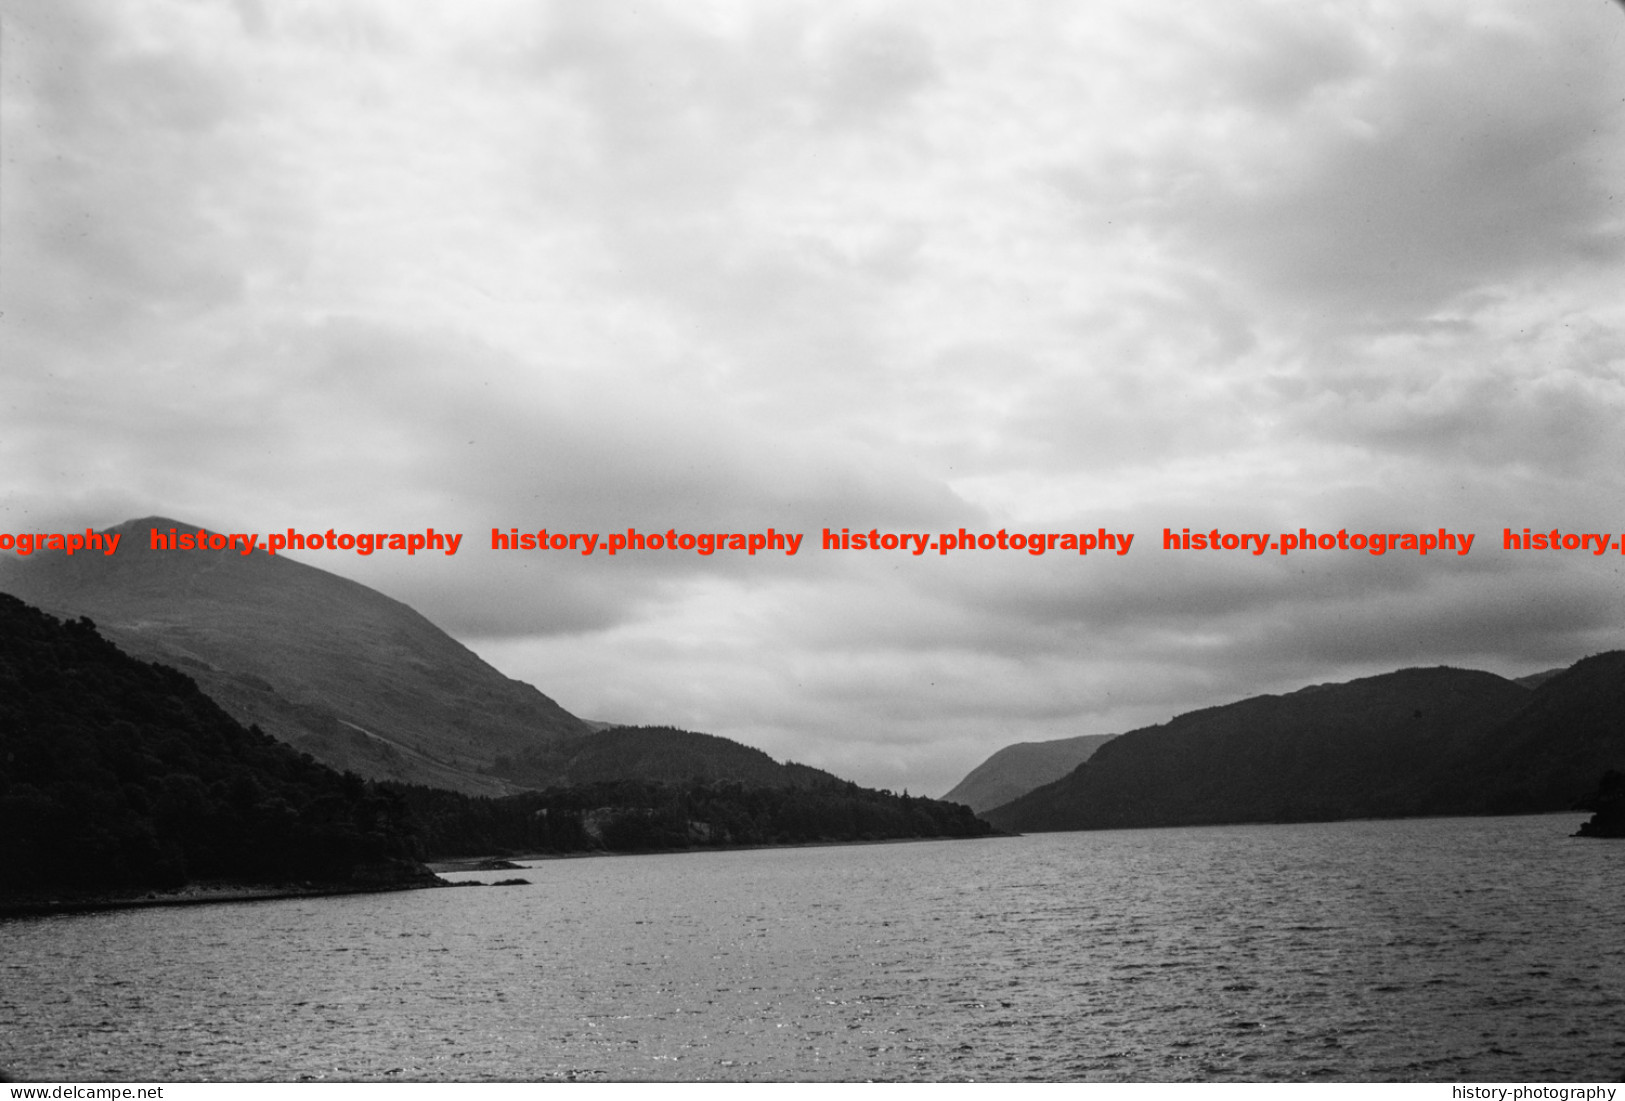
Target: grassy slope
point(336, 669)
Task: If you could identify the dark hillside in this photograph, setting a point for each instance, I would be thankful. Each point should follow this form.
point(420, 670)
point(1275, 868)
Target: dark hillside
point(1547, 756)
point(116, 774)
point(659, 753)
point(1327, 752)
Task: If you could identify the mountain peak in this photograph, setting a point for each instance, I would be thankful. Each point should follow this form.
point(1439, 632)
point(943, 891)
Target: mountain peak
point(162, 523)
point(358, 680)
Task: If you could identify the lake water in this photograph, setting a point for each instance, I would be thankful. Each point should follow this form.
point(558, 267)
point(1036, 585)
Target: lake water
point(1418, 950)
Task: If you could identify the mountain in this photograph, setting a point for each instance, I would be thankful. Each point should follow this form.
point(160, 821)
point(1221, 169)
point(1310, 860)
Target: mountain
point(1019, 768)
point(1548, 756)
point(118, 775)
point(1372, 748)
point(333, 668)
point(1535, 680)
point(660, 754)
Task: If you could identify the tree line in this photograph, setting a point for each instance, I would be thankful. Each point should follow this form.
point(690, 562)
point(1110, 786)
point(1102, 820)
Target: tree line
point(650, 816)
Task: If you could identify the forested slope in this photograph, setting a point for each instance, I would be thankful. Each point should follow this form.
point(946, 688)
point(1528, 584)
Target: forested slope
point(118, 774)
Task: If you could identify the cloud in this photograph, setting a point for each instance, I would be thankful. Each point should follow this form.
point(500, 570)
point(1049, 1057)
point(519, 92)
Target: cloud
point(1452, 159)
point(728, 266)
point(127, 160)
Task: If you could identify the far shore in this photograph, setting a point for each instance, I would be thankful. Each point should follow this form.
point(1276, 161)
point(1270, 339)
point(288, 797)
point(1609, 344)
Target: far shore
point(474, 863)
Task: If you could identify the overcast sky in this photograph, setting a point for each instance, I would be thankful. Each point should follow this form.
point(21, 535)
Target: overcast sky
point(915, 266)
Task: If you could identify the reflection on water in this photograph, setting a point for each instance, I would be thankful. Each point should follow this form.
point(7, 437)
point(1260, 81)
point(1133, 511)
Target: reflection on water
point(1438, 949)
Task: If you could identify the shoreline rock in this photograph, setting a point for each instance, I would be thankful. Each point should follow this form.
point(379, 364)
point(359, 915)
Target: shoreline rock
point(1608, 805)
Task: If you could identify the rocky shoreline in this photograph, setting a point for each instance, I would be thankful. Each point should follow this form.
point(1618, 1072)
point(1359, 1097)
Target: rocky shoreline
point(1608, 803)
point(369, 880)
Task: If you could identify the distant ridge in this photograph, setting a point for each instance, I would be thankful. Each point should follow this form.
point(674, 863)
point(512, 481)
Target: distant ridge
point(1412, 743)
point(1535, 680)
point(1019, 768)
point(1371, 748)
point(358, 680)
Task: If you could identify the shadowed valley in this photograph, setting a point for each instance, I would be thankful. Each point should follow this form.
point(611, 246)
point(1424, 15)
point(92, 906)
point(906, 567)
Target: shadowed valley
point(1017, 769)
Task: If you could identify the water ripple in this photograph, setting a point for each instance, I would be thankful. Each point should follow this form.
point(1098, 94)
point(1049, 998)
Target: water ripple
point(1415, 951)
